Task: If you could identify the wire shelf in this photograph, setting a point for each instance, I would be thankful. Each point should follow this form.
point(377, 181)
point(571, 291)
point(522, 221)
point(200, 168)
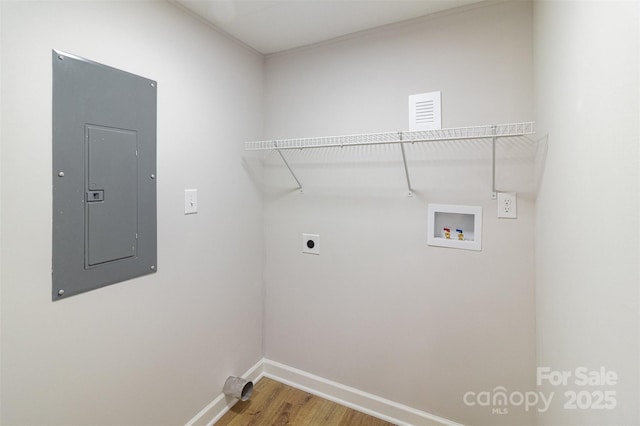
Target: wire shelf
point(456, 133)
point(491, 132)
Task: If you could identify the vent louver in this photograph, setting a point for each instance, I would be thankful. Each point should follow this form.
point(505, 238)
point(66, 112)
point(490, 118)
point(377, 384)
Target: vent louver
point(424, 111)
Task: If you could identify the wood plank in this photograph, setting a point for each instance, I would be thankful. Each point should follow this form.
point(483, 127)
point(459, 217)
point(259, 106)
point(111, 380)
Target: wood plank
point(276, 404)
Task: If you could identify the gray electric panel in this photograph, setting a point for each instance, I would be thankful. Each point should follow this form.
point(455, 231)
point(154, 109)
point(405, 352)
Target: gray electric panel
point(104, 175)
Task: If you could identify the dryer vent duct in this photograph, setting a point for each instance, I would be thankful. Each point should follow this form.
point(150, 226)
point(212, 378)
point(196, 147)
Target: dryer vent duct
point(237, 387)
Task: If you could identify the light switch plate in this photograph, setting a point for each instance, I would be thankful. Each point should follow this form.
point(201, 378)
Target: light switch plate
point(190, 201)
point(311, 243)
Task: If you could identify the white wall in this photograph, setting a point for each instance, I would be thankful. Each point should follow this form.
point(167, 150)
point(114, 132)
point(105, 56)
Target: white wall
point(379, 310)
point(0, 213)
point(153, 350)
point(586, 87)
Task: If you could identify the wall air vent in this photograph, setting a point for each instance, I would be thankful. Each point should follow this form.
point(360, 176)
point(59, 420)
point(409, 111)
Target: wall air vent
point(424, 111)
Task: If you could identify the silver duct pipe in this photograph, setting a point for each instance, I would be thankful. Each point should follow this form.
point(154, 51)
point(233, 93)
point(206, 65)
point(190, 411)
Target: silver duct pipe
point(237, 387)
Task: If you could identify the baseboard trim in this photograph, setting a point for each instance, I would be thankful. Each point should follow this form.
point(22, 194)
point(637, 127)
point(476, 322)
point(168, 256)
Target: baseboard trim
point(356, 399)
point(217, 408)
point(365, 402)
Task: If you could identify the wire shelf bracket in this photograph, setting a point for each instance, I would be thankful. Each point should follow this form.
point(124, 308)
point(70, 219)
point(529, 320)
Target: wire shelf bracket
point(494, 140)
point(286, 163)
point(404, 162)
point(488, 132)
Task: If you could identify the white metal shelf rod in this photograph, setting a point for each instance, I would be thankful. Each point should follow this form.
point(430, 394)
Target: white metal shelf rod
point(284, 160)
point(393, 142)
point(493, 165)
point(406, 169)
point(344, 145)
point(462, 133)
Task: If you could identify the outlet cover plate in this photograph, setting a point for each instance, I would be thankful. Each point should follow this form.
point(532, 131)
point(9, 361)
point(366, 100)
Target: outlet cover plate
point(507, 205)
point(311, 243)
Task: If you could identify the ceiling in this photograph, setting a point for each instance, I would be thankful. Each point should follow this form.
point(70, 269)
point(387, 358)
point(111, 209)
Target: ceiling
point(271, 26)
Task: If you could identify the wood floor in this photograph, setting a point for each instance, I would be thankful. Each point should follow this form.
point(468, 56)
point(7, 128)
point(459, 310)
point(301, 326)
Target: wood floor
point(273, 403)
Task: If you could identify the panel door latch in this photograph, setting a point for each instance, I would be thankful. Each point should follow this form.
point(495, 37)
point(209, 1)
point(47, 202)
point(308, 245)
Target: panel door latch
point(93, 196)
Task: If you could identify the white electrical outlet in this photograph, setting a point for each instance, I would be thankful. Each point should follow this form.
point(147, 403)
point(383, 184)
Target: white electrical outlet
point(311, 243)
point(507, 205)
